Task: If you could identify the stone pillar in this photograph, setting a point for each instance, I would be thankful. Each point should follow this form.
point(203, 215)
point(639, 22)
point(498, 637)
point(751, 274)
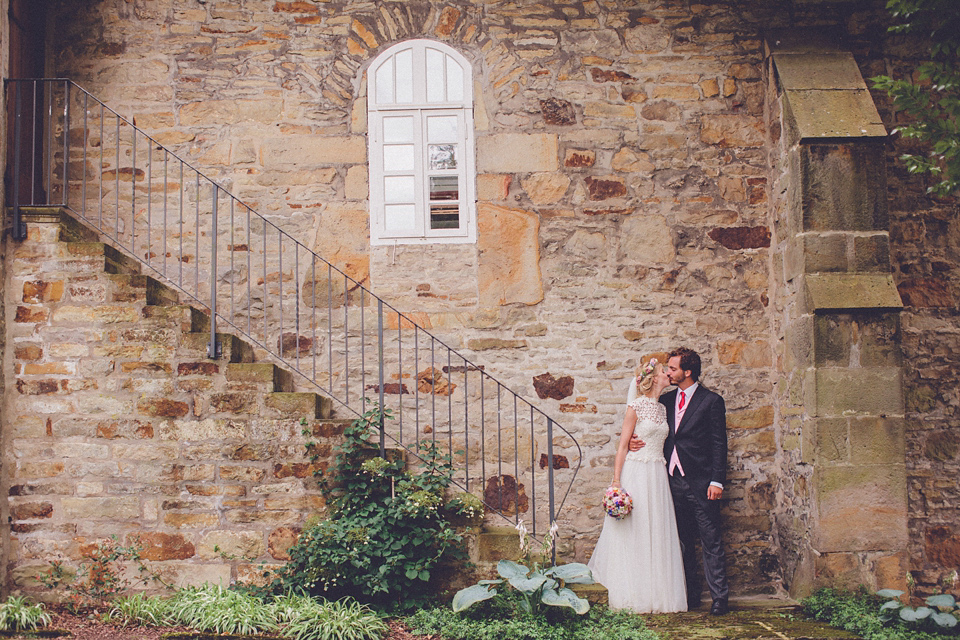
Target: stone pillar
point(841, 361)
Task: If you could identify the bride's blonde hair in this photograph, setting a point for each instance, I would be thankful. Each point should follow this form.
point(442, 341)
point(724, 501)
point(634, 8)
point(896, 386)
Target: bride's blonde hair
point(645, 375)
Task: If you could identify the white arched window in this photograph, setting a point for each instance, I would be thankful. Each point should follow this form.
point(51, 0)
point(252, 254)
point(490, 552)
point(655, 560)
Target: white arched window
point(422, 181)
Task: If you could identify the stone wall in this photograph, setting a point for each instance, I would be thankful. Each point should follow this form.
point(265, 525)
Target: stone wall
point(626, 153)
point(119, 425)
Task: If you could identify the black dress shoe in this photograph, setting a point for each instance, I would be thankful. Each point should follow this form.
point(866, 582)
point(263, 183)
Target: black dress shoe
point(719, 608)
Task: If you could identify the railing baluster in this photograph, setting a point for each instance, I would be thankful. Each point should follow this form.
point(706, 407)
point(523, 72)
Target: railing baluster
point(330, 326)
point(19, 227)
point(66, 141)
point(213, 348)
point(400, 373)
point(383, 448)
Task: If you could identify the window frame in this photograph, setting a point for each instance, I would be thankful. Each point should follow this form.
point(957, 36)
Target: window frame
point(421, 110)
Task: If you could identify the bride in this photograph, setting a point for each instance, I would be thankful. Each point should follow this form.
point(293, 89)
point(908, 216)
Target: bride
point(638, 558)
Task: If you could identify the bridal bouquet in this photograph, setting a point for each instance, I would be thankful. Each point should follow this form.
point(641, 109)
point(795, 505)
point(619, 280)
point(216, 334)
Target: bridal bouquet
point(617, 503)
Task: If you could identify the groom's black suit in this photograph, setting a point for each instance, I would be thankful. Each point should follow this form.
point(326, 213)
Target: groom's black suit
point(701, 443)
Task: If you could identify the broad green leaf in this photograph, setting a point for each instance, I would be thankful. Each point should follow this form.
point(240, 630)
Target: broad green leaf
point(528, 585)
point(912, 615)
point(889, 593)
point(565, 598)
point(572, 573)
point(942, 600)
point(946, 620)
point(466, 598)
point(891, 604)
point(510, 569)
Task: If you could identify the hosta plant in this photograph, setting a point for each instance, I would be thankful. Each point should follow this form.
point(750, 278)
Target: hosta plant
point(939, 611)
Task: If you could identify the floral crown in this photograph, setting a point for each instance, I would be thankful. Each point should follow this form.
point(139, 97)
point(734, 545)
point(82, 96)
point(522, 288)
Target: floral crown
point(648, 368)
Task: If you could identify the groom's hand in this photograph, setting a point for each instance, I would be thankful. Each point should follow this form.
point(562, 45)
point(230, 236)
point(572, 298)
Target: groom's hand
point(636, 443)
point(714, 492)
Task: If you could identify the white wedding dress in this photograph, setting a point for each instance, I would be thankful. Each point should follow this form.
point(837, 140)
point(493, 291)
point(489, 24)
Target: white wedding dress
point(638, 557)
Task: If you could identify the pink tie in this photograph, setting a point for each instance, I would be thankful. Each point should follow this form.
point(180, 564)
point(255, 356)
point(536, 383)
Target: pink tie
point(683, 397)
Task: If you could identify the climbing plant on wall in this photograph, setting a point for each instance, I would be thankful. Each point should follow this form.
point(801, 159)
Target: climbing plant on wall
point(930, 97)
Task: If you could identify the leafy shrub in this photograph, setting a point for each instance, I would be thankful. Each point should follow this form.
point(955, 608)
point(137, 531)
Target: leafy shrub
point(16, 614)
point(500, 619)
point(859, 612)
point(384, 535)
point(102, 574)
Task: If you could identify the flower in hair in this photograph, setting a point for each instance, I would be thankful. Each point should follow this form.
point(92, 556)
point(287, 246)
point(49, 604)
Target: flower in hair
point(649, 368)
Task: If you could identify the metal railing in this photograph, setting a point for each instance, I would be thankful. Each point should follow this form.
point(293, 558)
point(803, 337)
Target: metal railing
point(71, 150)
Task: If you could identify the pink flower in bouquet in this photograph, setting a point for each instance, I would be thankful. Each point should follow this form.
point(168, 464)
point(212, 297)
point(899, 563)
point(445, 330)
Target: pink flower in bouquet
point(617, 502)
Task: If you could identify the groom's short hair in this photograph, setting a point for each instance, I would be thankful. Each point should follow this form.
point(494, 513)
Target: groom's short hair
point(689, 361)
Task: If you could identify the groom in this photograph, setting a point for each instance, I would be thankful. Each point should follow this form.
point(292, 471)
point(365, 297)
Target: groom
point(696, 454)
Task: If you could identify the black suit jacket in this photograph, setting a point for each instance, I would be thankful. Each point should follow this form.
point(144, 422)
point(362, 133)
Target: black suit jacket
point(700, 438)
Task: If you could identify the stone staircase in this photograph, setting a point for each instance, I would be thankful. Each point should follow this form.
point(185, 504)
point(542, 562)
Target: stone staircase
point(120, 425)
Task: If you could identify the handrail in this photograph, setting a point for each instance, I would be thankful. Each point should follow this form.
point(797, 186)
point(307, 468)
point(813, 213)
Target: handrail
point(83, 164)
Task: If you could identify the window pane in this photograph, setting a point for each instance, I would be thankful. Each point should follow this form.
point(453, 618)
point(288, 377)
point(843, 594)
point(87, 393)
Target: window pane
point(443, 156)
point(444, 188)
point(444, 216)
point(398, 189)
point(385, 82)
point(436, 78)
point(404, 62)
point(442, 129)
point(398, 157)
point(454, 81)
point(398, 129)
point(400, 217)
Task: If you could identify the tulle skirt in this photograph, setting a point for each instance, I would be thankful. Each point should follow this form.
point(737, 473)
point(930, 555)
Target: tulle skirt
point(638, 558)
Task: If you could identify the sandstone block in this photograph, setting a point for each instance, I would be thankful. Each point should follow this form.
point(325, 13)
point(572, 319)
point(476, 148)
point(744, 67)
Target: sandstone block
point(241, 544)
point(628, 160)
point(750, 418)
point(162, 407)
point(280, 541)
point(861, 508)
point(220, 112)
point(493, 186)
point(646, 239)
point(313, 150)
point(509, 256)
point(576, 158)
point(732, 130)
point(35, 291)
point(163, 546)
point(98, 508)
point(545, 188)
point(517, 153)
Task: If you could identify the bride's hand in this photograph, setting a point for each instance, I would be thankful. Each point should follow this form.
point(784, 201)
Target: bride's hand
point(636, 443)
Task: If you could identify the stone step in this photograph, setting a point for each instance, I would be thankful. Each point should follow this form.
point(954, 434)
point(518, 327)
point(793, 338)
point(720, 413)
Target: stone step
point(260, 373)
point(232, 348)
point(169, 314)
point(284, 404)
point(113, 261)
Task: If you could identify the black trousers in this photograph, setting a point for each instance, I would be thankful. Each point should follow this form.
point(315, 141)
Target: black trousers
point(699, 517)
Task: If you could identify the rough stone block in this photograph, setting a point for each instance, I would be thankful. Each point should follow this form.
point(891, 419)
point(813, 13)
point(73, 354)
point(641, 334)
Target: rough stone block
point(98, 508)
point(297, 405)
point(877, 441)
point(314, 150)
point(517, 153)
point(509, 256)
point(843, 187)
point(861, 508)
point(873, 391)
point(241, 544)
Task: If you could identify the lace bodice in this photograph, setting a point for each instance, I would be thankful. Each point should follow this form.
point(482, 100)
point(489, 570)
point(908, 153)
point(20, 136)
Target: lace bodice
point(651, 428)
